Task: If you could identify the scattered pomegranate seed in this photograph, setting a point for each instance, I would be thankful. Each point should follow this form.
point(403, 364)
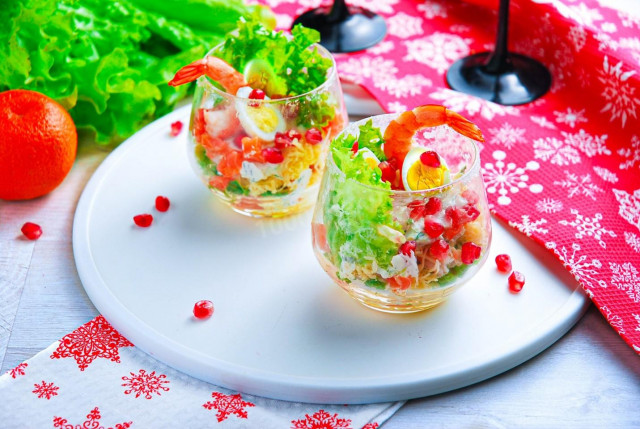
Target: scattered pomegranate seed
point(282, 140)
point(433, 229)
point(439, 249)
point(162, 203)
point(31, 230)
point(408, 247)
point(294, 134)
point(470, 252)
point(257, 94)
point(430, 159)
point(503, 262)
point(272, 155)
point(203, 309)
point(313, 136)
point(176, 127)
point(516, 281)
point(143, 220)
point(355, 147)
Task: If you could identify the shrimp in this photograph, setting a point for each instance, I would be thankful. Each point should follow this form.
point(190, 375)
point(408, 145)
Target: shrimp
point(400, 131)
point(213, 67)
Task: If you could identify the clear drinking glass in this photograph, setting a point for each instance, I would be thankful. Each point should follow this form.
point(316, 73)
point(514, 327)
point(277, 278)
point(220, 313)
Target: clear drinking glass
point(349, 228)
point(276, 171)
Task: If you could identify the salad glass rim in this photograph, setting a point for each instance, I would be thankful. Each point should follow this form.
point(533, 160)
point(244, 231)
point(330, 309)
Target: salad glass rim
point(475, 165)
point(331, 75)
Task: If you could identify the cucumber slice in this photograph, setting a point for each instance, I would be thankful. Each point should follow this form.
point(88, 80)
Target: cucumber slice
point(260, 75)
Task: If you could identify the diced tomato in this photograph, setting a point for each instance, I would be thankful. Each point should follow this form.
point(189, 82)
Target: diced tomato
point(219, 182)
point(400, 283)
point(319, 232)
point(230, 163)
point(252, 149)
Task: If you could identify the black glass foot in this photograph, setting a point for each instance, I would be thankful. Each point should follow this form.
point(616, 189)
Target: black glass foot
point(345, 28)
point(519, 80)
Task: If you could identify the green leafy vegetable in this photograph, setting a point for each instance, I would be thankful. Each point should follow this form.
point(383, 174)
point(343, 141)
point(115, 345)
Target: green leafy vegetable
point(107, 62)
point(370, 137)
point(236, 188)
point(297, 68)
point(316, 110)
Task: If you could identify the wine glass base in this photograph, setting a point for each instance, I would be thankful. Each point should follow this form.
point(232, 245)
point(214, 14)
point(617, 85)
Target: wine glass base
point(358, 30)
point(522, 80)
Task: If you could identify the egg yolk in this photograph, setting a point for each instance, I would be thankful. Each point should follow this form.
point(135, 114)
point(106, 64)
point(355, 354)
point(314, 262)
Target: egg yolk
point(420, 176)
point(264, 118)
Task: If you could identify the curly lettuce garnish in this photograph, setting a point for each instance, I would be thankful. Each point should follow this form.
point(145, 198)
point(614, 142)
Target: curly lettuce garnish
point(297, 68)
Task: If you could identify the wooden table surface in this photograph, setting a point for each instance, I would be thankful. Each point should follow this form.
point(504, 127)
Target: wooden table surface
point(589, 378)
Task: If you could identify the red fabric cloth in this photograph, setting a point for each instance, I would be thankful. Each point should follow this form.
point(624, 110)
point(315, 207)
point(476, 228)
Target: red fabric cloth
point(563, 169)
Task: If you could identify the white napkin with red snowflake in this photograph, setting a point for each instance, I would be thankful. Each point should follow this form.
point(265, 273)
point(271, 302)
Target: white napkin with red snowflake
point(95, 378)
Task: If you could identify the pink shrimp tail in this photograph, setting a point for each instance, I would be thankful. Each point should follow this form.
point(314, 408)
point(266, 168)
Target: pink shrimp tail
point(189, 73)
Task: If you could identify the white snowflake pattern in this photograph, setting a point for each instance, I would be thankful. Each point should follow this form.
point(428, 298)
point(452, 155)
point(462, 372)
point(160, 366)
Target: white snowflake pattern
point(619, 96)
point(283, 20)
point(555, 151)
point(432, 8)
point(543, 122)
point(145, 384)
point(549, 205)
point(579, 266)
point(625, 277)
point(632, 240)
point(396, 107)
point(404, 26)
point(356, 69)
point(615, 320)
point(608, 27)
point(570, 117)
point(588, 144)
point(382, 6)
point(588, 227)
point(632, 154)
point(606, 175)
point(460, 102)
point(629, 206)
point(504, 179)
point(382, 47)
point(438, 50)
point(528, 226)
point(408, 85)
point(508, 135)
point(578, 36)
point(579, 185)
point(637, 317)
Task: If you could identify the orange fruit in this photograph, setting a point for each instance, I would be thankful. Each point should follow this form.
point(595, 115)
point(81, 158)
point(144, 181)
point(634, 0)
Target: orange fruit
point(38, 143)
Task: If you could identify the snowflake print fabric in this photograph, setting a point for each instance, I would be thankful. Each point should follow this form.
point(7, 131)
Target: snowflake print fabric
point(562, 169)
point(139, 391)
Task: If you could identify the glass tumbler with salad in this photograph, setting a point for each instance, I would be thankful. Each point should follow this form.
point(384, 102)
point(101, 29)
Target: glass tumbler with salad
point(265, 108)
point(402, 219)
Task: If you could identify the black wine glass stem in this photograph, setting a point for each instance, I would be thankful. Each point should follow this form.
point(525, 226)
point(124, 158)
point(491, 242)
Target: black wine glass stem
point(498, 60)
point(339, 11)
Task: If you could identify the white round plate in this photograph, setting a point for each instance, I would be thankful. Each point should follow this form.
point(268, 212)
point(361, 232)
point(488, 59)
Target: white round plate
point(281, 328)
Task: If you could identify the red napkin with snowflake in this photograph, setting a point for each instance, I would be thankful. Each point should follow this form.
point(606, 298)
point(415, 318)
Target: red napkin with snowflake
point(564, 169)
point(95, 378)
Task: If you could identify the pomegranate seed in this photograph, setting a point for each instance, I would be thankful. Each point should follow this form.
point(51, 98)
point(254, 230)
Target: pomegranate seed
point(162, 203)
point(282, 140)
point(430, 159)
point(272, 155)
point(433, 229)
point(516, 281)
point(503, 262)
point(439, 249)
point(203, 309)
point(451, 233)
point(471, 213)
point(355, 148)
point(408, 247)
point(452, 215)
point(143, 220)
point(433, 206)
point(294, 134)
point(176, 127)
point(470, 252)
point(31, 230)
point(388, 172)
point(257, 94)
point(313, 136)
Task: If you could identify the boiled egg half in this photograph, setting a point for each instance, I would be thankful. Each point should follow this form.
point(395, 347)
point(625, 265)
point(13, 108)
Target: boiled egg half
point(417, 176)
point(262, 120)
